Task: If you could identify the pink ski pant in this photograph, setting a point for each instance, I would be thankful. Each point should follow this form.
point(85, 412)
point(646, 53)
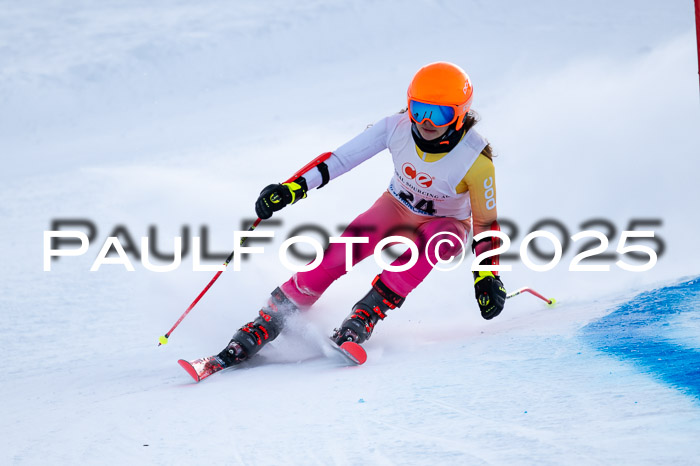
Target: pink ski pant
point(387, 217)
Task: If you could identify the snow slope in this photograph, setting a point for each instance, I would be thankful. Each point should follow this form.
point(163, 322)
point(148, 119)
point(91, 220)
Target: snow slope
point(176, 114)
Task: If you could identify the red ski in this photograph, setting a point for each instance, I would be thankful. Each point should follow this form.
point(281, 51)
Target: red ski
point(200, 369)
point(352, 351)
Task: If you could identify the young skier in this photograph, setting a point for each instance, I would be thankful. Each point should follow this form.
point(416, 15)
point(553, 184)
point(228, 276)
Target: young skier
point(443, 182)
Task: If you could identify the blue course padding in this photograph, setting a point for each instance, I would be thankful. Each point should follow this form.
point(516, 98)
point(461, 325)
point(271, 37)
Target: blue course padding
point(659, 331)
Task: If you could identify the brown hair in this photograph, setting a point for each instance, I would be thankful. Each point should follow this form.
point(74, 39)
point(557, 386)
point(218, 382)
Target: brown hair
point(470, 119)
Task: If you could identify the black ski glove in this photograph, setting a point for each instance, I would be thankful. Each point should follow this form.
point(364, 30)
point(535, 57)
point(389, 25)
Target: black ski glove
point(276, 196)
point(490, 294)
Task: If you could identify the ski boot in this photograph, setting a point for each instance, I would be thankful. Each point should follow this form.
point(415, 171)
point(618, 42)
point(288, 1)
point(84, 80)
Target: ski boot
point(250, 338)
point(358, 326)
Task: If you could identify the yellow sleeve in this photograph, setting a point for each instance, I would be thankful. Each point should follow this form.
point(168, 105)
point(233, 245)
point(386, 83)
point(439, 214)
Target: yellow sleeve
point(480, 181)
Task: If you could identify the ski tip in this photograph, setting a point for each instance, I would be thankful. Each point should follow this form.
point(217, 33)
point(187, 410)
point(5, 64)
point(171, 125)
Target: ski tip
point(356, 352)
point(190, 370)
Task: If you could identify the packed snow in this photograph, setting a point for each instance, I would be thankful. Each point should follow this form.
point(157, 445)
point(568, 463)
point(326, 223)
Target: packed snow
point(174, 115)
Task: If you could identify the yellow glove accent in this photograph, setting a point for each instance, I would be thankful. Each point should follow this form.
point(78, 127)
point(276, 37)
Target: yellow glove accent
point(293, 187)
point(483, 275)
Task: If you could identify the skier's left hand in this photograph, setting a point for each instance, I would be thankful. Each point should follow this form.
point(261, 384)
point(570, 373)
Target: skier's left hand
point(490, 294)
point(276, 196)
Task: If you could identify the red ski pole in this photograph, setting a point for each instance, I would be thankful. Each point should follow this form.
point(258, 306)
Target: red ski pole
point(550, 301)
point(315, 162)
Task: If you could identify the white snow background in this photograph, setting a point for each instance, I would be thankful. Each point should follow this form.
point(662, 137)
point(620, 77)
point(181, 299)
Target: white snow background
point(173, 113)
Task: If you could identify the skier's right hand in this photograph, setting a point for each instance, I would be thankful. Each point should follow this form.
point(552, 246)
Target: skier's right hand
point(276, 196)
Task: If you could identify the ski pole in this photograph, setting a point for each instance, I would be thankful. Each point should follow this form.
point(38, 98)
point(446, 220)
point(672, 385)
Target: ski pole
point(314, 163)
point(550, 302)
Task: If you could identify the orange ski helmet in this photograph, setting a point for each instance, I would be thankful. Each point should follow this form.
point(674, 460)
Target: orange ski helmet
point(444, 84)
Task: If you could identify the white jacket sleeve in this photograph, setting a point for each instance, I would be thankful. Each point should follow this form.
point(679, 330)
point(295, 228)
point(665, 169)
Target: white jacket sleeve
point(362, 147)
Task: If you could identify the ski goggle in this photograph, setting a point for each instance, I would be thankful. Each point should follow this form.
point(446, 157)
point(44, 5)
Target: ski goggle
point(439, 115)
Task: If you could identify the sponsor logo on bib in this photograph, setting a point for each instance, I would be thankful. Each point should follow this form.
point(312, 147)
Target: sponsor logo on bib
point(422, 179)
